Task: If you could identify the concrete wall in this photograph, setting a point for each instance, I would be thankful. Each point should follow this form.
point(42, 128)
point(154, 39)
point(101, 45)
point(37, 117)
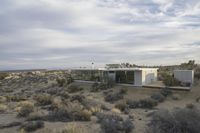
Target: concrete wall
point(185, 76)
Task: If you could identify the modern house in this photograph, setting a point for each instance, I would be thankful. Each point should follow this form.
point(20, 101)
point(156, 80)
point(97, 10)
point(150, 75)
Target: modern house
point(184, 76)
point(134, 76)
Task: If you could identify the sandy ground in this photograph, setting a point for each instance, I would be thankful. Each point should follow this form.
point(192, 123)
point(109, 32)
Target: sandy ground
point(136, 93)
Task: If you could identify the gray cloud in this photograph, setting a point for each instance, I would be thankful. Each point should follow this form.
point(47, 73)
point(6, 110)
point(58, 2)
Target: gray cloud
point(65, 33)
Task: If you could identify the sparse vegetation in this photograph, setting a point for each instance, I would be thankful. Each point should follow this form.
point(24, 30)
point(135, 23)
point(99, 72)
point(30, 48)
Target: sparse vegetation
point(3, 75)
point(114, 97)
point(175, 121)
point(158, 97)
point(25, 108)
point(71, 128)
point(3, 108)
point(43, 99)
point(144, 103)
point(115, 124)
point(32, 125)
point(169, 80)
point(74, 88)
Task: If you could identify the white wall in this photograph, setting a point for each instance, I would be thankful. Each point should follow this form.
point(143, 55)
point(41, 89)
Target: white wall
point(186, 76)
point(138, 78)
point(149, 76)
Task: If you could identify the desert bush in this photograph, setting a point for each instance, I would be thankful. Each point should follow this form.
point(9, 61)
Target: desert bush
point(82, 115)
point(101, 86)
point(177, 121)
point(3, 108)
point(79, 98)
point(147, 103)
point(158, 97)
point(144, 103)
point(122, 106)
point(35, 116)
point(25, 108)
point(132, 104)
point(123, 91)
point(3, 99)
point(95, 110)
point(3, 75)
point(73, 88)
point(73, 111)
point(114, 97)
point(61, 114)
point(115, 124)
point(43, 99)
point(190, 106)
point(169, 80)
point(16, 98)
point(32, 125)
point(166, 92)
point(61, 82)
point(71, 128)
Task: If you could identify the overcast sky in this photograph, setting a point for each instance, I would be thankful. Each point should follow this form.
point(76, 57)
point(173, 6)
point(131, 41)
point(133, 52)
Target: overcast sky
point(73, 33)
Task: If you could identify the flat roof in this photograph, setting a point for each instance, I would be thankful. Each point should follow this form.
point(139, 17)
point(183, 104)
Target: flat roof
point(114, 69)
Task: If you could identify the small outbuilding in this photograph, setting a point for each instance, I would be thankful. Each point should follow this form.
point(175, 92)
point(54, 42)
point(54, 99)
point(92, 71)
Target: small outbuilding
point(184, 76)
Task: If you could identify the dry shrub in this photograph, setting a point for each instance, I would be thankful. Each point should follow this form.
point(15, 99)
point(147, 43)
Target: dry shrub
point(72, 128)
point(122, 105)
point(25, 108)
point(73, 88)
point(56, 103)
point(158, 97)
point(177, 121)
point(144, 103)
point(43, 99)
point(83, 115)
point(35, 116)
point(115, 124)
point(32, 125)
point(115, 110)
point(114, 97)
point(3, 99)
point(190, 106)
point(95, 110)
point(3, 108)
point(70, 112)
point(16, 98)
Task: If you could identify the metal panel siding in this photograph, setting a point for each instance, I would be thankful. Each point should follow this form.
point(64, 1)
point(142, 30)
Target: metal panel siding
point(184, 75)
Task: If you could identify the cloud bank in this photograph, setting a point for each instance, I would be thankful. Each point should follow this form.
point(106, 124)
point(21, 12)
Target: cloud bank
point(73, 33)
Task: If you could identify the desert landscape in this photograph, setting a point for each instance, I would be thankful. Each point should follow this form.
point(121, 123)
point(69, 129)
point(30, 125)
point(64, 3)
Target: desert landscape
point(53, 102)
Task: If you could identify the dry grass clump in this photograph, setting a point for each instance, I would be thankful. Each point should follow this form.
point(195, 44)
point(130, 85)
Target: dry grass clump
point(25, 108)
point(95, 110)
point(32, 125)
point(43, 99)
point(3, 108)
point(72, 128)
